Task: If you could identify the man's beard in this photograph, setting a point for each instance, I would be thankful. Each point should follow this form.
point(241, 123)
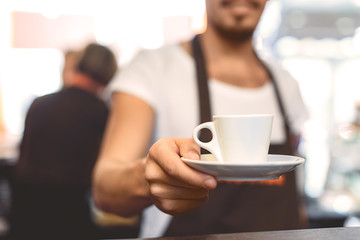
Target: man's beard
point(234, 34)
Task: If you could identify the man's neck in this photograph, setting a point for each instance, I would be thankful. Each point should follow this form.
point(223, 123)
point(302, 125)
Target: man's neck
point(233, 61)
point(216, 45)
point(86, 83)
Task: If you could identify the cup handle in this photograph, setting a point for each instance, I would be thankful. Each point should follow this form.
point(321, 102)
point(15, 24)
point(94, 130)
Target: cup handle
point(211, 146)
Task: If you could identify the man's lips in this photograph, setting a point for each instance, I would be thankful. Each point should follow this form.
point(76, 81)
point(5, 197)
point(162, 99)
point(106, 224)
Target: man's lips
point(238, 7)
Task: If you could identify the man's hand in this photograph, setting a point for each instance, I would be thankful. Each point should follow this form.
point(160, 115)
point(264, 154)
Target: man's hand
point(175, 187)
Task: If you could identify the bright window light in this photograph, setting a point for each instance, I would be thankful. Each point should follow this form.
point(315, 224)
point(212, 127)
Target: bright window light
point(26, 74)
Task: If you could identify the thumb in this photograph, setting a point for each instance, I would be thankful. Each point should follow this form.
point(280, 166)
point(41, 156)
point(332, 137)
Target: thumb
point(189, 149)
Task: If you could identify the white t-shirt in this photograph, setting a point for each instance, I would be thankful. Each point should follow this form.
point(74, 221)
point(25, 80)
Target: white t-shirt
point(166, 79)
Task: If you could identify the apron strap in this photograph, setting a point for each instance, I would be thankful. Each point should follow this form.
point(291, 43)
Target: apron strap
point(281, 105)
point(203, 90)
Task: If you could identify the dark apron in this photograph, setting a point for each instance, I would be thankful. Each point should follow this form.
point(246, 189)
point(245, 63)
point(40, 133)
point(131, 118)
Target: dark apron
point(241, 206)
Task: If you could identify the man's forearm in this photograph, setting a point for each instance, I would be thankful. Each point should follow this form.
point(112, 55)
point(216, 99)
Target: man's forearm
point(121, 188)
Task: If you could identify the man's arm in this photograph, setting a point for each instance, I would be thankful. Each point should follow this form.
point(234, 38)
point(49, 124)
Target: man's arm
point(125, 182)
point(119, 184)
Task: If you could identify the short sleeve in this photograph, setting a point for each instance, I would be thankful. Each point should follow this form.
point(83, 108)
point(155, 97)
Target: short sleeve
point(139, 77)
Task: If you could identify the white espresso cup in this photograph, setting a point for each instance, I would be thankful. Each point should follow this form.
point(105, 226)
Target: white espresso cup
point(238, 138)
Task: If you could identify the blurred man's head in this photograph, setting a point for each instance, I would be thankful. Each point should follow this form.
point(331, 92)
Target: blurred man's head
point(97, 62)
point(234, 19)
point(90, 69)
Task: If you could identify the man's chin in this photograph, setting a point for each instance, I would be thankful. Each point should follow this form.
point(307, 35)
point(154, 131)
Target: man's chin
point(237, 35)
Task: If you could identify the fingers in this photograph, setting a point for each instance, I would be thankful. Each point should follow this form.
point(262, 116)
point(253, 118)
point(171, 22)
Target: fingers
point(174, 186)
point(161, 190)
point(164, 164)
point(175, 207)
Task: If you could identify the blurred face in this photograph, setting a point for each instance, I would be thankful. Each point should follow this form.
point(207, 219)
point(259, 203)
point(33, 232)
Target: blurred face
point(236, 19)
point(69, 68)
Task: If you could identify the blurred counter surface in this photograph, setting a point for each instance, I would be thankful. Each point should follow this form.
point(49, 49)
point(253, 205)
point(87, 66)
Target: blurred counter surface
point(342, 233)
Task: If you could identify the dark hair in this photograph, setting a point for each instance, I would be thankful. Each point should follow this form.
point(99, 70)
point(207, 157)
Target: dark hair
point(98, 62)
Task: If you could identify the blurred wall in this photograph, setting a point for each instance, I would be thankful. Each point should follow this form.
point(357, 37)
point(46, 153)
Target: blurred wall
point(34, 30)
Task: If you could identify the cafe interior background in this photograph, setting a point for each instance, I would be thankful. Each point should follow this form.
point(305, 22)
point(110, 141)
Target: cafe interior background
point(317, 40)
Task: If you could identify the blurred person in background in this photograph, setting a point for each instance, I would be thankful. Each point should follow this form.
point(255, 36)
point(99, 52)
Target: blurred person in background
point(167, 92)
point(68, 70)
point(60, 144)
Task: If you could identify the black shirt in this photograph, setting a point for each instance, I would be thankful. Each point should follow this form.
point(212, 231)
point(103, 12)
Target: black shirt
point(61, 140)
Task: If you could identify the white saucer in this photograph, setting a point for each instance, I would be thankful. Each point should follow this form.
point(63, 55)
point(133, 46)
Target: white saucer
point(273, 168)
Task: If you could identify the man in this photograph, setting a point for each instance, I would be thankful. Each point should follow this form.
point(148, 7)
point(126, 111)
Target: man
point(60, 145)
point(162, 94)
